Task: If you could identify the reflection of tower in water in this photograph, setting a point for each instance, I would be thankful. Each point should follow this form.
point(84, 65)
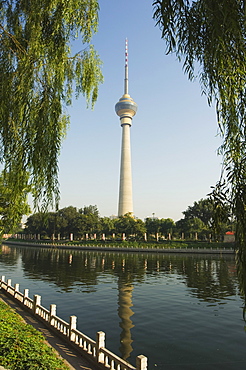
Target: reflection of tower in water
point(125, 312)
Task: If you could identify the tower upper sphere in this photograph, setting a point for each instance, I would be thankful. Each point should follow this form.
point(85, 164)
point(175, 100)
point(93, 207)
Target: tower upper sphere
point(126, 106)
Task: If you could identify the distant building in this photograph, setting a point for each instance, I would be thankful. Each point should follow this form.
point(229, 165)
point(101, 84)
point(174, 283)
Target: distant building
point(6, 236)
point(229, 237)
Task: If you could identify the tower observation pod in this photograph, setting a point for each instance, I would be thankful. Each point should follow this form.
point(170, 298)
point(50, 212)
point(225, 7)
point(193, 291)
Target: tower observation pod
point(126, 108)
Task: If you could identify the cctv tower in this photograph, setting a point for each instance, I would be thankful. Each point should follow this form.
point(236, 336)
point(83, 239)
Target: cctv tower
point(126, 108)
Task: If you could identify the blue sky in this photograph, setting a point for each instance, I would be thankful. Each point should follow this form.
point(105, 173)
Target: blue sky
point(174, 137)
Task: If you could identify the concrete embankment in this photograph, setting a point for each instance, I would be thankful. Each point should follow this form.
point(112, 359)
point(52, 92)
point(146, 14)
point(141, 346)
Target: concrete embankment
point(106, 248)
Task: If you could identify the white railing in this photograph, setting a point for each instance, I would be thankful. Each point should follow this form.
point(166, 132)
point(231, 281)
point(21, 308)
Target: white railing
point(85, 343)
point(112, 361)
point(94, 349)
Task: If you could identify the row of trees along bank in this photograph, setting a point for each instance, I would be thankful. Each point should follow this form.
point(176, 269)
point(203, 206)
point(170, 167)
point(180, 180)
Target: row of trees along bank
point(198, 223)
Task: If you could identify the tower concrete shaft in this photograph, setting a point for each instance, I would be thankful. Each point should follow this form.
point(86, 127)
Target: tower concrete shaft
point(126, 108)
point(125, 193)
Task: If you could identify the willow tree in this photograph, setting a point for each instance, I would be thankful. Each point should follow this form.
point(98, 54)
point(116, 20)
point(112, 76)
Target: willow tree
point(209, 37)
point(38, 77)
point(12, 212)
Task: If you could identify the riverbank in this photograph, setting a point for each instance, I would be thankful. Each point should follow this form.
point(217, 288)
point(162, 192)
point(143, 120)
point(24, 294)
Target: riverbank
point(168, 247)
point(22, 346)
point(73, 361)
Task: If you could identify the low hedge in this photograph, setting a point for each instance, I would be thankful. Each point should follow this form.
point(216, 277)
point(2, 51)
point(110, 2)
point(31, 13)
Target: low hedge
point(22, 347)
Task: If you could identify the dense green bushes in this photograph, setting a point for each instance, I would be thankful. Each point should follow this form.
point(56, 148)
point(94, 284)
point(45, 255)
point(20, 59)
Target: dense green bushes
point(22, 347)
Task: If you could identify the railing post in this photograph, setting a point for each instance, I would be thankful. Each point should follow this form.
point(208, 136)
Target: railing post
point(72, 326)
point(17, 289)
point(52, 314)
point(36, 303)
point(100, 343)
point(8, 284)
point(141, 362)
point(2, 280)
point(26, 294)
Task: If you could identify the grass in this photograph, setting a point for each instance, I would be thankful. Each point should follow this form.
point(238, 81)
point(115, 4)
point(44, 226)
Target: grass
point(22, 347)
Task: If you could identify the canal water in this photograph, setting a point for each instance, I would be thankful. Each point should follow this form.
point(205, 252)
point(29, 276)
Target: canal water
point(181, 311)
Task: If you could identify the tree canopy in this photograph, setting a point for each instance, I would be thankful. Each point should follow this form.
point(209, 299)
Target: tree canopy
point(200, 223)
point(210, 38)
point(38, 77)
point(203, 209)
point(206, 217)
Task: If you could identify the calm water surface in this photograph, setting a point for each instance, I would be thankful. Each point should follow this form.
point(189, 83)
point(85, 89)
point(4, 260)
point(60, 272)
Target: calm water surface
point(181, 311)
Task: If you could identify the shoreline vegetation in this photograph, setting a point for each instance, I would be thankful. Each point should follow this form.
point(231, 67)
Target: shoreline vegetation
point(131, 246)
point(22, 346)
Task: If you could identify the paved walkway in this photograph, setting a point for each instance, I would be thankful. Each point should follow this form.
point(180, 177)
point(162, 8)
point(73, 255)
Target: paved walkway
point(73, 359)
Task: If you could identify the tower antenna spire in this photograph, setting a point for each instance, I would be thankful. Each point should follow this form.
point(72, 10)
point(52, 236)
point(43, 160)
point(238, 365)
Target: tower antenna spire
point(126, 68)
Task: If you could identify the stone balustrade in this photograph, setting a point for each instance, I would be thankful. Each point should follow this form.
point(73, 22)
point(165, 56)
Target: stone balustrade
point(95, 350)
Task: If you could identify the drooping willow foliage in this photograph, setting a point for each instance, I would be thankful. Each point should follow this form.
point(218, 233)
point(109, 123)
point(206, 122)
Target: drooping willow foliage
point(38, 76)
point(210, 38)
point(211, 35)
point(12, 211)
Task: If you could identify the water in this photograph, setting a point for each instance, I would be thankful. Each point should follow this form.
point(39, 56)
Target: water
point(181, 311)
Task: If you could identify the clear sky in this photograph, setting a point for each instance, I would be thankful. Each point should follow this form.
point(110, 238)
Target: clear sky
point(174, 137)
